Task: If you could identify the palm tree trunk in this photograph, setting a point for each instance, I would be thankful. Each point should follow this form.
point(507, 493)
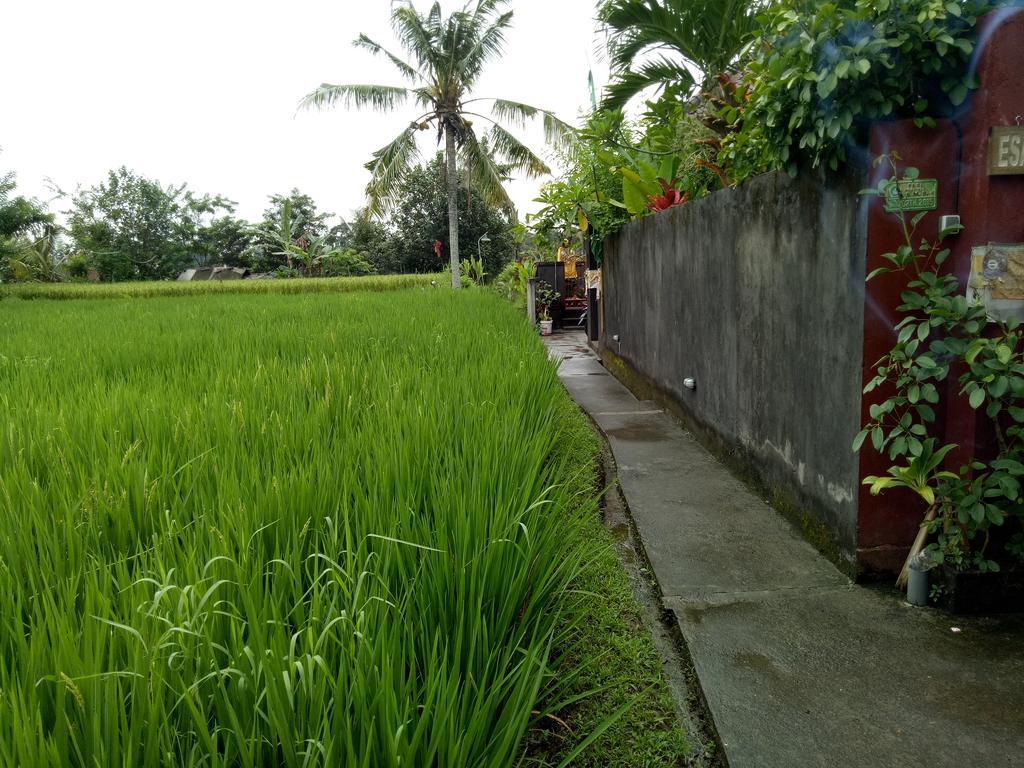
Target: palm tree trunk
point(453, 205)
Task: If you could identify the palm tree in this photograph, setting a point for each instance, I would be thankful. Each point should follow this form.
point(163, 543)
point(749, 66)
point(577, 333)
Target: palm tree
point(680, 44)
point(448, 56)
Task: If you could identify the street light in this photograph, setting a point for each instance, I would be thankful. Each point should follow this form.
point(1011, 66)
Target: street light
point(479, 246)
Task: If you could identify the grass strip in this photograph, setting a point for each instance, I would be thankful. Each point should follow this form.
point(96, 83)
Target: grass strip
point(617, 667)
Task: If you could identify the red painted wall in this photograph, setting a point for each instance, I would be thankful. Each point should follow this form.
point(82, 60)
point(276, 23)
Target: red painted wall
point(992, 210)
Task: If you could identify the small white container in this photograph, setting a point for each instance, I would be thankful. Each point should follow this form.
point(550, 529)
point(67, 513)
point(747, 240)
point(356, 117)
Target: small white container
point(545, 327)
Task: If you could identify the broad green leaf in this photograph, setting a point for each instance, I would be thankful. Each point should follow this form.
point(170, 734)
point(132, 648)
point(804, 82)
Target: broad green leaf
point(958, 95)
point(582, 220)
point(858, 441)
point(977, 398)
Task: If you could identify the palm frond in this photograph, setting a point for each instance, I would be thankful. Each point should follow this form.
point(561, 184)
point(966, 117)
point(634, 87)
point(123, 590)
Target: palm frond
point(434, 22)
point(643, 24)
point(416, 34)
point(488, 7)
point(381, 97)
point(517, 154)
point(489, 43)
point(555, 131)
point(483, 172)
point(426, 97)
point(7, 185)
point(376, 48)
point(444, 56)
point(514, 111)
point(655, 74)
point(389, 166)
point(455, 39)
point(708, 35)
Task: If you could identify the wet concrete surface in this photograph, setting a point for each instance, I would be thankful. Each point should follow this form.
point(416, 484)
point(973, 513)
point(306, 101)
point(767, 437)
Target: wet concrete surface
point(798, 666)
point(676, 667)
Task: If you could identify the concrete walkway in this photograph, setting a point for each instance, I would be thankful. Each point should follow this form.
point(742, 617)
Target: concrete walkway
point(798, 666)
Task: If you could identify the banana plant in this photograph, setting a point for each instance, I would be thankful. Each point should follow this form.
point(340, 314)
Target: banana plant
point(285, 234)
point(473, 269)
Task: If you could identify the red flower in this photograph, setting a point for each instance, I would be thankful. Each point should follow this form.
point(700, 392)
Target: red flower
point(669, 198)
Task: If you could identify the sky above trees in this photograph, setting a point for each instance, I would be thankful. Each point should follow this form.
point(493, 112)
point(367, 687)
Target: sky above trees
point(206, 92)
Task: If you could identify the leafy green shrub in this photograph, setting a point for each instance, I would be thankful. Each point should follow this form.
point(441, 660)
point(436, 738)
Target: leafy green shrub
point(287, 273)
point(345, 263)
point(824, 68)
point(114, 266)
point(77, 266)
point(506, 284)
point(583, 198)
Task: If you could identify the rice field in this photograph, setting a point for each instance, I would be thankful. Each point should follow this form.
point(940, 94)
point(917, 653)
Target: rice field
point(145, 290)
point(301, 530)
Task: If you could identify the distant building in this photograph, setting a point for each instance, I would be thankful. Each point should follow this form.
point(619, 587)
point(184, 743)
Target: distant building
point(214, 273)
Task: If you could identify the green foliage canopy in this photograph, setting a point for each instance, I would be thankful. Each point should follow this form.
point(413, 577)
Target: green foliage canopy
point(19, 218)
point(824, 69)
point(421, 218)
point(135, 228)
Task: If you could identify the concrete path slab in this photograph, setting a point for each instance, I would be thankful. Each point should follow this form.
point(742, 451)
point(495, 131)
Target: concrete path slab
point(799, 667)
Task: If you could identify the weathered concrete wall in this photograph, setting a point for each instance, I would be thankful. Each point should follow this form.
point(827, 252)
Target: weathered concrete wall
point(758, 294)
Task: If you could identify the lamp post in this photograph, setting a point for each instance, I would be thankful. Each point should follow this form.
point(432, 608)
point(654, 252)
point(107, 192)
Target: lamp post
point(479, 246)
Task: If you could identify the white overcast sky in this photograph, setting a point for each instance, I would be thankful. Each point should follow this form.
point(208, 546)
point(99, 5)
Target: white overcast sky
point(205, 91)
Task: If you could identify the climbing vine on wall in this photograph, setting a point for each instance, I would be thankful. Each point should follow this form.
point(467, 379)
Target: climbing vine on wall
point(942, 334)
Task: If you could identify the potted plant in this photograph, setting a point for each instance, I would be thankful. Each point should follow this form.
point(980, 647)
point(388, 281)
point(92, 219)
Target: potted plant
point(545, 298)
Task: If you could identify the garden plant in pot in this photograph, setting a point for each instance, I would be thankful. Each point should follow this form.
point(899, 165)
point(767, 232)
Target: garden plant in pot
point(973, 526)
point(546, 296)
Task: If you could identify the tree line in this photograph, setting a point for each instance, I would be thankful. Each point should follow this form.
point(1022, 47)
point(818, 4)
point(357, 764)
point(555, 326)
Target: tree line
point(131, 227)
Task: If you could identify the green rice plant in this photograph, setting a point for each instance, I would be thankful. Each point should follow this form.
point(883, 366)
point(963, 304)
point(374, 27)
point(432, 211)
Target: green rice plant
point(152, 288)
point(306, 530)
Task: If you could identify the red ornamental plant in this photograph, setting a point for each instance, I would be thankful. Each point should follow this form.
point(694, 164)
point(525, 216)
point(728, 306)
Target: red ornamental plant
point(669, 198)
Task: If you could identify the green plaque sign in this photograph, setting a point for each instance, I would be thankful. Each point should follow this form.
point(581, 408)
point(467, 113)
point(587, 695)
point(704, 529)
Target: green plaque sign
point(912, 195)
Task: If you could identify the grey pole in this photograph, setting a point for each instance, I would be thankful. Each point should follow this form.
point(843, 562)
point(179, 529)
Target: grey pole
point(479, 248)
